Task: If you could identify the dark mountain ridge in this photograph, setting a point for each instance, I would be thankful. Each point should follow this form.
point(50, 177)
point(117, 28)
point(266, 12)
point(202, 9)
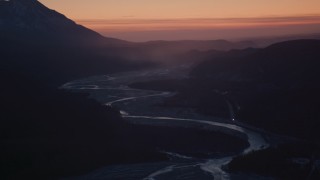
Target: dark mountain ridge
point(275, 86)
point(30, 21)
point(286, 60)
point(202, 45)
point(47, 46)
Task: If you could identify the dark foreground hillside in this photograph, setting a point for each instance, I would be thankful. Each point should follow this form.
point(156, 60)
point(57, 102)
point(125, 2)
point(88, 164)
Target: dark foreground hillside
point(47, 133)
point(289, 161)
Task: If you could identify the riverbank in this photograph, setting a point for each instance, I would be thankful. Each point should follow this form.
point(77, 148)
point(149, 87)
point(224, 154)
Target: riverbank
point(209, 142)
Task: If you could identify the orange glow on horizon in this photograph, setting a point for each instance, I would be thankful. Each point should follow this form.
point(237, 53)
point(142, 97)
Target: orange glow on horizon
point(142, 20)
point(195, 24)
point(173, 9)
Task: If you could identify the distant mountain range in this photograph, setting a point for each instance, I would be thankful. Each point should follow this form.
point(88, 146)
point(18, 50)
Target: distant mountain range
point(283, 63)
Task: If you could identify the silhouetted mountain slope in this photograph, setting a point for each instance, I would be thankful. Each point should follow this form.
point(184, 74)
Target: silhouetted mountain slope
point(287, 63)
point(291, 63)
point(46, 45)
point(29, 20)
point(263, 42)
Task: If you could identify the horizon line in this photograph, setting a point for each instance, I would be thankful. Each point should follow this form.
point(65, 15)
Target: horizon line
point(134, 29)
point(271, 17)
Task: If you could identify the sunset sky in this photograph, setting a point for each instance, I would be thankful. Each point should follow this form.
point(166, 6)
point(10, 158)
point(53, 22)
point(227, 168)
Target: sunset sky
point(142, 20)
